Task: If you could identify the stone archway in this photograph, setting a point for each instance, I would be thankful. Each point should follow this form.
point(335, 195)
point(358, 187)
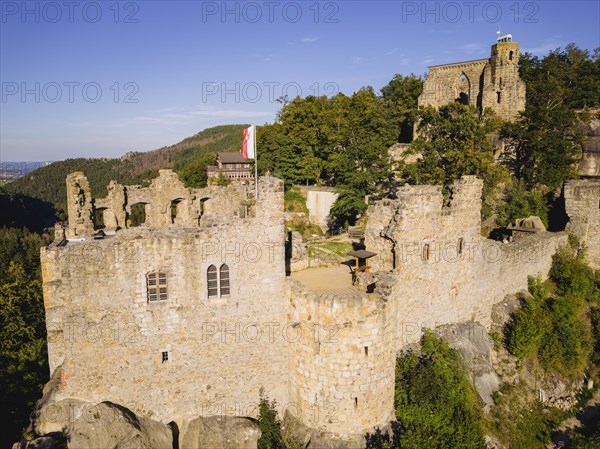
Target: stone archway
point(462, 89)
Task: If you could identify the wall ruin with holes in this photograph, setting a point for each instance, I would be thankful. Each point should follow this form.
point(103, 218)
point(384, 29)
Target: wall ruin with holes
point(110, 339)
point(167, 204)
point(484, 83)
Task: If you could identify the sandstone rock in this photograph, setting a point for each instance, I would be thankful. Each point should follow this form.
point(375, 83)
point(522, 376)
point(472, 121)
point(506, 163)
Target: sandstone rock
point(220, 432)
point(108, 425)
point(475, 346)
point(39, 443)
point(310, 438)
point(502, 311)
point(52, 414)
point(533, 222)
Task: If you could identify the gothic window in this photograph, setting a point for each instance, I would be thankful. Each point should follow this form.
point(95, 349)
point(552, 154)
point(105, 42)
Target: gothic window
point(224, 280)
point(212, 281)
point(157, 286)
point(218, 281)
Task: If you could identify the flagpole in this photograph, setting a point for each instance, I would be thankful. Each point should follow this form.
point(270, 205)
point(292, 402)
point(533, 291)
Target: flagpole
point(255, 162)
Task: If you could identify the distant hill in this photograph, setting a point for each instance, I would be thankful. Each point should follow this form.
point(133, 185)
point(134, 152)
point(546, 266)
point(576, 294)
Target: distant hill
point(48, 183)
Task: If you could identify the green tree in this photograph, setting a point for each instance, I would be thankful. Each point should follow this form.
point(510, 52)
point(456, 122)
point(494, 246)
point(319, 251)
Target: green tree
point(453, 141)
point(402, 92)
point(521, 203)
point(23, 357)
point(436, 406)
point(567, 346)
point(193, 174)
point(529, 326)
point(544, 144)
point(572, 275)
point(268, 423)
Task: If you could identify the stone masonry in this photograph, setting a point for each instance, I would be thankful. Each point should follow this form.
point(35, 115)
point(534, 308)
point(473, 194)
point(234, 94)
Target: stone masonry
point(485, 83)
point(191, 313)
point(582, 204)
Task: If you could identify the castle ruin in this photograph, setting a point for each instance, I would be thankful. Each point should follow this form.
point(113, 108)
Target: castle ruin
point(191, 313)
point(493, 82)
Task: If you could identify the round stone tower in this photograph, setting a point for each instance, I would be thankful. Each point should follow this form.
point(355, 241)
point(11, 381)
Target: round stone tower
point(342, 361)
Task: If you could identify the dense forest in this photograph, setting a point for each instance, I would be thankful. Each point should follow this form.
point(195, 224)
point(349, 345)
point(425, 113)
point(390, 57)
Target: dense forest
point(343, 142)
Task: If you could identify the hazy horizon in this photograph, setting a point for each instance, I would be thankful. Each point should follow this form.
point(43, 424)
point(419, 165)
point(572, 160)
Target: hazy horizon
point(102, 79)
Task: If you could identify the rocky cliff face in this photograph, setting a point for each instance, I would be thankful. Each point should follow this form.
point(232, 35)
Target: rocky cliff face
point(490, 365)
point(75, 424)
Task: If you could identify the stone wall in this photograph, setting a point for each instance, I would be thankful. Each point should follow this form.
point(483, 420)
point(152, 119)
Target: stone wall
point(110, 339)
point(484, 83)
point(167, 203)
point(319, 203)
point(443, 270)
point(79, 205)
point(327, 358)
point(589, 166)
point(582, 204)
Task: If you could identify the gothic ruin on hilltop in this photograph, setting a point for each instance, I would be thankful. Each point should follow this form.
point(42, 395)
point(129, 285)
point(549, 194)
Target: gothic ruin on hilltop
point(493, 82)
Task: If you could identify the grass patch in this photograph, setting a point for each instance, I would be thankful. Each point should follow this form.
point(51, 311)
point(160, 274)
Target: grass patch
point(294, 201)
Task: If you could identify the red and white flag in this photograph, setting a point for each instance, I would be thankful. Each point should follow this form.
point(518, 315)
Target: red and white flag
point(249, 143)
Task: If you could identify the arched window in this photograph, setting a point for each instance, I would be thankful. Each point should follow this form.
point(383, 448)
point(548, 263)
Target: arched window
point(157, 286)
point(510, 55)
point(212, 281)
point(224, 288)
point(218, 281)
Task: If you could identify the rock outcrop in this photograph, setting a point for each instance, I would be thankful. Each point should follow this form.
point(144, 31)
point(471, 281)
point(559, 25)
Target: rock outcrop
point(475, 346)
point(220, 432)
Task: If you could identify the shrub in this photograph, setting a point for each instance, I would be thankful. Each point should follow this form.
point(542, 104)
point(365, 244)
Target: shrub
point(268, 423)
point(525, 332)
point(571, 274)
point(566, 347)
point(436, 406)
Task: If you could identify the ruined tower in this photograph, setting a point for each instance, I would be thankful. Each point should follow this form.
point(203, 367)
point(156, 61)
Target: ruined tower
point(485, 83)
point(503, 89)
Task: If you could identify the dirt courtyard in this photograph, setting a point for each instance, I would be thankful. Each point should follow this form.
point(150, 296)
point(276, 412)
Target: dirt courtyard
point(325, 278)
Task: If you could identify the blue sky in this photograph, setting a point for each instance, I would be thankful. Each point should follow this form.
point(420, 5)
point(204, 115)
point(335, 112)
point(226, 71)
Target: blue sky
point(98, 79)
